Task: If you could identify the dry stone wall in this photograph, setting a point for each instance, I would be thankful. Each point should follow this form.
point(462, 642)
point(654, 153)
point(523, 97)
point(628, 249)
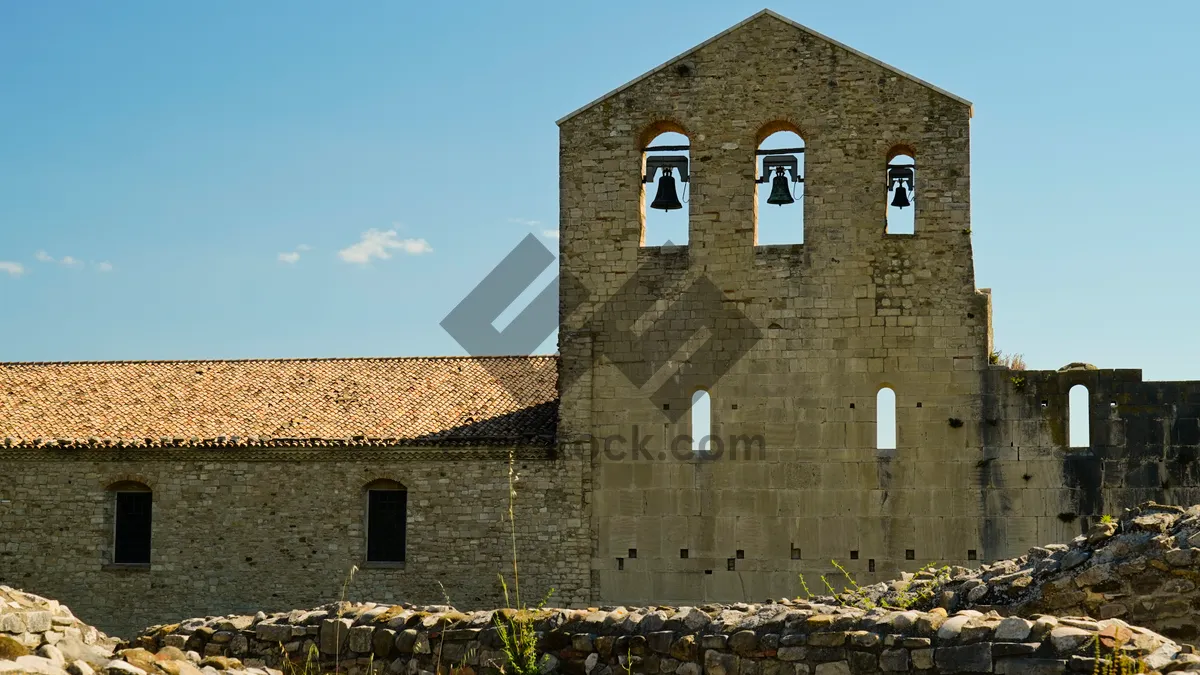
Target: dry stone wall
point(780, 638)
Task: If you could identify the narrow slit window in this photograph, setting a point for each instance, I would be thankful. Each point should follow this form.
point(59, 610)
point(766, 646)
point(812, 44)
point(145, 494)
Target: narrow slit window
point(1078, 417)
point(701, 422)
point(885, 419)
point(780, 189)
point(387, 522)
point(132, 525)
point(901, 171)
point(666, 180)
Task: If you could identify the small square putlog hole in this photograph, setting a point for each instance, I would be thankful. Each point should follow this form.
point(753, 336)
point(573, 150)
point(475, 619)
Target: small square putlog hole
point(854, 555)
point(683, 553)
point(795, 553)
point(971, 554)
point(740, 554)
point(632, 553)
point(910, 554)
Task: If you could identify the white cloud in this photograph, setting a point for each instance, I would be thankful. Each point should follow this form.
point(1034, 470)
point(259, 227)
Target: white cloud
point(292, 257)
point(12, 268)
point(104, 267)
point(376, 244)
point(550, 234)
point(69, 261)
point(525, 221)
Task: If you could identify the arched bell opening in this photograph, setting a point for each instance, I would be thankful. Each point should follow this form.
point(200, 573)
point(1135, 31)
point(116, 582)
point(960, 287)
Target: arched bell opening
point(901, 175)
point(666, 177)
point(779, 186)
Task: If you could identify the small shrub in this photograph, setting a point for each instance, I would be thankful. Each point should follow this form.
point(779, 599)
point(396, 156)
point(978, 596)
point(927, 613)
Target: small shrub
point(1010, 361)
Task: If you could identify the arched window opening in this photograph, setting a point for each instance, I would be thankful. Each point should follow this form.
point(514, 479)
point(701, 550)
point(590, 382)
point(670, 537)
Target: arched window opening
point(885, 419)
point(133, 505)
point(780, 189)
point(1078, 417)
point(665, 181)
point(387, 521)
point(901, 193)
point(701, 422)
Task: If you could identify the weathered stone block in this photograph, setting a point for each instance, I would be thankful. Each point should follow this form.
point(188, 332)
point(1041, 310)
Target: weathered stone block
point(833, 668)
point(334, 635)
point(685, 649)
point(660, 641)
point(743, 641)
point(1013, 629)
point(716, 663)
point(405, 640)
point(269, 632)
point(382, 642)
point(1022, 666)
point(862, 662)
point(894, 660)
point(360, 639)
point(974, 658)
point(1066, 639)
point(792, 653)
point(581, 642)
point(827, 639)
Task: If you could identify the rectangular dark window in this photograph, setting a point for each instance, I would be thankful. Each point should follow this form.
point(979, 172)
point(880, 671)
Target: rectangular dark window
point(386, 525)
point(132, 528)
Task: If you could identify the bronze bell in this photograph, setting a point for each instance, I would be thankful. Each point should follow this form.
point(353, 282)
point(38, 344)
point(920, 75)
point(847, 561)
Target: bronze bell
point(666, 199)
point(780, 194)
point(901, 199)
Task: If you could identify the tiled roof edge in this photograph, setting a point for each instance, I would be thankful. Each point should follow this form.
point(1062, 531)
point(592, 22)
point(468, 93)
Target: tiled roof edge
point(224, 442)
point(318, 359)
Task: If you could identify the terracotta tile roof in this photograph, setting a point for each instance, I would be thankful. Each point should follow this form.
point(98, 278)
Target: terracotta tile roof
point(308, 402)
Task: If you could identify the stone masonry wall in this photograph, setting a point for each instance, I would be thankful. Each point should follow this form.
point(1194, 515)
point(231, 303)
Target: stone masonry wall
point(744, 639)
point(851, 310)
point(246, 528)
point(1143, 445)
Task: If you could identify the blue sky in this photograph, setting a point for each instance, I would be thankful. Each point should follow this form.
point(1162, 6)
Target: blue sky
point(222, 175)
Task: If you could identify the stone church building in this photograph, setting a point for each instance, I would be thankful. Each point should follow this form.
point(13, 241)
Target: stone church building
point(138, 492)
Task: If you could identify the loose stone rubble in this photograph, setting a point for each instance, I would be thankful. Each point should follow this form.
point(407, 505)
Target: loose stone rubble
point(1143, 567)
point(39, 635)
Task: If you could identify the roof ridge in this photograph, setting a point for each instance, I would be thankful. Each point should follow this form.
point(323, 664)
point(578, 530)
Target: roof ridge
point(743, 22)
point(313, 359)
